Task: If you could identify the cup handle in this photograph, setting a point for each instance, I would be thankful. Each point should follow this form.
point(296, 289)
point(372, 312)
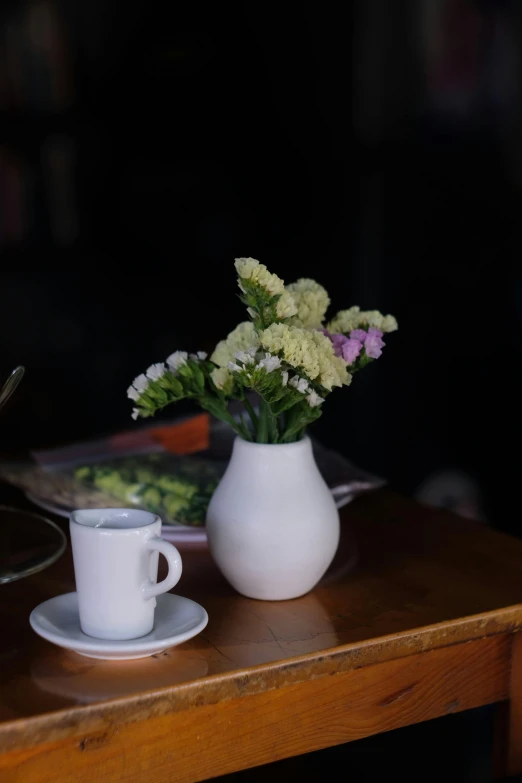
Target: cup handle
point(173, 558)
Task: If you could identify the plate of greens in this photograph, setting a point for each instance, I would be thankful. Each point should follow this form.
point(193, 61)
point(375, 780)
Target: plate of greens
point(178, 489)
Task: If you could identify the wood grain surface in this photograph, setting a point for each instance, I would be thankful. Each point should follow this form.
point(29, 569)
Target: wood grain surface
point(425, 581)
point(238, 733)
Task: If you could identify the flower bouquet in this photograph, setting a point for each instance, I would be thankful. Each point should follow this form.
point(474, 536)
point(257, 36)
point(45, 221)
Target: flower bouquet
point(285, 353)
point(272, 524)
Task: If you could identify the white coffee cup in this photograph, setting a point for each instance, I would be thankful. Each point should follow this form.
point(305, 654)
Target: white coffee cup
point(116, 553)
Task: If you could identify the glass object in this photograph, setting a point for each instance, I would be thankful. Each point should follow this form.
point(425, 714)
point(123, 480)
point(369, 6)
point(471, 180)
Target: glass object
point(28, 543)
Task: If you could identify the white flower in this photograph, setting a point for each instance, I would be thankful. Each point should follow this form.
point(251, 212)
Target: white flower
point(270, 363)
point(300, 384)
point(139, 385)
point(135, 413)
point(252, 350)
point(234, 367)
point(156, 371)
point(177, 359)
point(133, 394)
point(244, 357)
point(314, 400)
point(200, 356)
point(284, 376)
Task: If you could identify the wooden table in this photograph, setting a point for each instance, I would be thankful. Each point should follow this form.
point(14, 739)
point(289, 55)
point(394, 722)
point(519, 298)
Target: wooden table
point(425, 625)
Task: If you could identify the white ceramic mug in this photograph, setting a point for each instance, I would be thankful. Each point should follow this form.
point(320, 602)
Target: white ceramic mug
point(116, 553)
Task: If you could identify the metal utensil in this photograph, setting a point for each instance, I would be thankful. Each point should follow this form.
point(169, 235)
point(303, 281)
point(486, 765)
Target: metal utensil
point(11, 384)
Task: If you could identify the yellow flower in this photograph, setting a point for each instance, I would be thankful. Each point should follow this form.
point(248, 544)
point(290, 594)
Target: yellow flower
point(346, 320)
point(241, 338)
point(389, 324)
point(312, 302)
point(309, 351)
point(250, 269)
point(222, 379)
point(286, 305)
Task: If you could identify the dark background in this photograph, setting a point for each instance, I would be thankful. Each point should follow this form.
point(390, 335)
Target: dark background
point(375, 146)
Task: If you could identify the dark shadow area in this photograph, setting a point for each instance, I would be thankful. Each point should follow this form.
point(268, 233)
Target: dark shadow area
point(457, 747)
point(144, 146)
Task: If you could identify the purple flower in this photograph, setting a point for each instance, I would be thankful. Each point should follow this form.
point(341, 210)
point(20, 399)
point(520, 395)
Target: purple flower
point(345, 347)
point(374, 343)
point(338, 340)
point(358, 334)
point(351, 349)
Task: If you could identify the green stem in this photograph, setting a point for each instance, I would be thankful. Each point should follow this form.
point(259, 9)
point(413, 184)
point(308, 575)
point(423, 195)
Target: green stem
point(243, 430)
point(262, 430)
point(259, 307)
point(251, 412)
point(246, 428)
point(267, 431)
point(294, 423)
point(220, 412)
point(272, 427)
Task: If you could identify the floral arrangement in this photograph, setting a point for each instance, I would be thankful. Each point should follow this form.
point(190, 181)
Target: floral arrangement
point(286, 353)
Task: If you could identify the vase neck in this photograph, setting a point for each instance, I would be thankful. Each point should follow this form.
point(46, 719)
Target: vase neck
point(275, 452)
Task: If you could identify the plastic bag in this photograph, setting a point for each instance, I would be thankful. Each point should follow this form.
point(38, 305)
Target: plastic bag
point(139, 469)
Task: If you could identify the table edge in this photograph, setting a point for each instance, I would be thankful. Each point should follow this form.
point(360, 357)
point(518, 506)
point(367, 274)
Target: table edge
point(70, 721)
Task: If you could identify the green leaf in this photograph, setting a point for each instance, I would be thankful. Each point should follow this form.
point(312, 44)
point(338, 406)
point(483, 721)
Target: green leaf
point(198, 376)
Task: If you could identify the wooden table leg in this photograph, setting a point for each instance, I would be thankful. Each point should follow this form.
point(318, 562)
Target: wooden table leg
point(510, 716)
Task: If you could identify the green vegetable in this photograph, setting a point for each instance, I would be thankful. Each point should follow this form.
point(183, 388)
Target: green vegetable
point(174, 504)
point(177, 488)
point(151, 499)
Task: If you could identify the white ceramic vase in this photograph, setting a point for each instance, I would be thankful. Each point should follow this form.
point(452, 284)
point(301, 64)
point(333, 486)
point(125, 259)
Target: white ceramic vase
point(272, 524)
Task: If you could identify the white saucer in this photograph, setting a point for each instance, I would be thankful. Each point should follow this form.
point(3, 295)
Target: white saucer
point(176, 620)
